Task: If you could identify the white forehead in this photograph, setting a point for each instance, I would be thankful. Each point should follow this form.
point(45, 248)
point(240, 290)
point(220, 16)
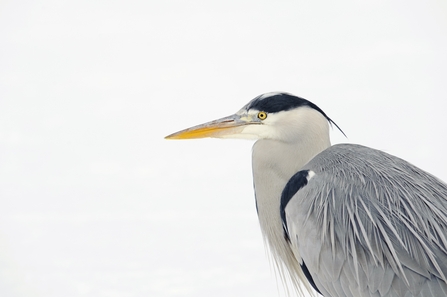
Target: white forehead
point(244, 111)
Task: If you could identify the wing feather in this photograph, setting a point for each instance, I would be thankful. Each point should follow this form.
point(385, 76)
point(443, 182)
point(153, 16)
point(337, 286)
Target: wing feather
point(370, 224)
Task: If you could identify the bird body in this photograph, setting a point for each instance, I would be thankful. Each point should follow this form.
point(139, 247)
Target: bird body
point(346, 220)
point(375, 226)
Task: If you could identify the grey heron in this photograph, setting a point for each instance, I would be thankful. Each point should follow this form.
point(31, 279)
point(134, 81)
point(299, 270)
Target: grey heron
point(346, 220)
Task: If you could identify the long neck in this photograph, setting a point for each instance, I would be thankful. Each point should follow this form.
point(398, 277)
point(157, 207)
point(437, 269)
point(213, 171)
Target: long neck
point(274, 163)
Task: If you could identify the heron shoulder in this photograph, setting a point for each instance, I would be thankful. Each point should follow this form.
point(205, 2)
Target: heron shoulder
point(357, 161)
point(369, 208)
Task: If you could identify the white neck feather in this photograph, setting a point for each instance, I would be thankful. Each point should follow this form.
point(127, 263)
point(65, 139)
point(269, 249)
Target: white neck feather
point(274, 163)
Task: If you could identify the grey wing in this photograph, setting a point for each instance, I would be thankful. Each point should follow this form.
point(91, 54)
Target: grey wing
point(370, 224)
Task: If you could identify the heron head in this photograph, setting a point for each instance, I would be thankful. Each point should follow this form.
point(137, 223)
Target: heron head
point(278, 116)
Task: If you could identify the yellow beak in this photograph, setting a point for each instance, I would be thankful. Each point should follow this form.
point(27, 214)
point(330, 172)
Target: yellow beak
point(221, 128)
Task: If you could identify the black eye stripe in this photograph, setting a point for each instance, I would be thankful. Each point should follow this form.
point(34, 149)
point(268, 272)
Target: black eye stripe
point(279, 102)
point(283, 102)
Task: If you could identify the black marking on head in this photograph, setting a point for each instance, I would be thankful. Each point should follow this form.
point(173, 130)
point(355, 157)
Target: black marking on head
point(296, 182)
point(280, 102)
point(283, 102)
point(309, 277)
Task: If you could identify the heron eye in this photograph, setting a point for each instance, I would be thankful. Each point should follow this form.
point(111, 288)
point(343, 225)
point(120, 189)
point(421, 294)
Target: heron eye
point(262, 115)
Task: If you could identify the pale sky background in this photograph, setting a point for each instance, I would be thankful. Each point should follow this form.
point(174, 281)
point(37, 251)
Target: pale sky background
point(94, 202)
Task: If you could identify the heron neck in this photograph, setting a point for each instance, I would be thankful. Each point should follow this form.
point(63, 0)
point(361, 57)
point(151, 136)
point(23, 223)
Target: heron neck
point(274, 163)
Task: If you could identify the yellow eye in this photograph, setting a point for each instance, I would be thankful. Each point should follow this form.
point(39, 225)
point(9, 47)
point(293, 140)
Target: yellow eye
point(262, 115)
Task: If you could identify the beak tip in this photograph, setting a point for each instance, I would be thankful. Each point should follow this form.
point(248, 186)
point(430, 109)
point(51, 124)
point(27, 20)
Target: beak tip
point(214, 129)
point(177, 135)
point(169, 137)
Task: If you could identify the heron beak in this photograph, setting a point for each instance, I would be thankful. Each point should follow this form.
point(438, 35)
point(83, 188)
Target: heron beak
point(221, 128)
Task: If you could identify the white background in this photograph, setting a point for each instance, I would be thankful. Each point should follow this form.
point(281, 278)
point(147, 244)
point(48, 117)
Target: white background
point(93, 200)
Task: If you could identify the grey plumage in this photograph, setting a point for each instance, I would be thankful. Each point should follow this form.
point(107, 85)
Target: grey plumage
point(378, 225)
point(346, 219)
